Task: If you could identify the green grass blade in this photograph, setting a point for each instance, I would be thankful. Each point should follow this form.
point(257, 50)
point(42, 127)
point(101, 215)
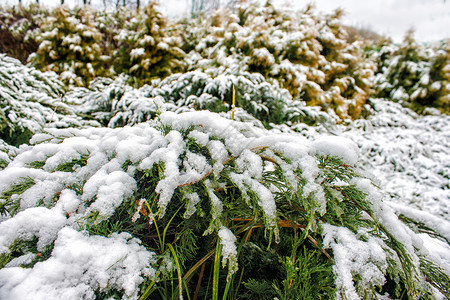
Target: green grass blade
point(215, 295)
point(180, 278)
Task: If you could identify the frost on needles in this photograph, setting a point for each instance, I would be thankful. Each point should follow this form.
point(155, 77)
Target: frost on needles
point(141, 210)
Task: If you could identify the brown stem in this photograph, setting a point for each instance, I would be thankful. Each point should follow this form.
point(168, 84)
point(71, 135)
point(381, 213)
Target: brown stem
point(199, 282)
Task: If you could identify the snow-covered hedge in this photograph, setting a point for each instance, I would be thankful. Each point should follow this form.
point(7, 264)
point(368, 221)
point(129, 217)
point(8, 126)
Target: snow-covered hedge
point(304, 51)
point(116, 104)
point(167, 195)
point(264, 101)
point(146, 48)
point(70, 45)
point(17, 25)
point(31, 100)
point(414, 74)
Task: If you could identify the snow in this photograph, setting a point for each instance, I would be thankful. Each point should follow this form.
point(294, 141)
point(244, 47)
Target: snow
point(110, 190)
point(439, 251)
point(80, 265)
point(263, 56)
point(406, 155)
point(336, 146)
point(229, 250)
point(37, 222)
point(439, 225)
point(137, 52)
point(199, 137)
point(169, 157)
point(218, 153)
point(68, 201)
point(193, 200)
point(217, 206)
point(354, 256)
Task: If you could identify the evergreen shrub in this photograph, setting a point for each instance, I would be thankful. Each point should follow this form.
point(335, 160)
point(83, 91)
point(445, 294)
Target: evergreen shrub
point(304, 52)
point(146, 48)
point(196, 204)
point(117, 104)
point(70, 45)
point(415, 75)
point(17, 26)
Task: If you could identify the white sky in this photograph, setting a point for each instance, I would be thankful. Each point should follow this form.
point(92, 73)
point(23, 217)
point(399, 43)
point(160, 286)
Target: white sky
point(430, 18)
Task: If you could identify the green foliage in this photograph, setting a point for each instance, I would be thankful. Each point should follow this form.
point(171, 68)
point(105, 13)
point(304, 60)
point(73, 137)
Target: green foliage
point(333, 169)
point(14, 135)
point(119, 222)
point(308, 276)
point(420, 227)
point(261, 290)
point(29, 247)
point(3, 163)
point(71, 165)
point(436, 276)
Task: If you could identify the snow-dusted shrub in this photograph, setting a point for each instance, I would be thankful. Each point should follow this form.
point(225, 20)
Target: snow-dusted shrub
point(115, 104)
point(305, 52)
point(439, 85)
point(70, 45)
point(407, 153)
point(29, 101)
point(415, 74)
point(146, 49)
point(17, 25)
point(264, 101)
point(169, 194)
point(110, 23)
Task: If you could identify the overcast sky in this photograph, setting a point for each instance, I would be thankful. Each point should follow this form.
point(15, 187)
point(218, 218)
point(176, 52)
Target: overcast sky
point(430, 18)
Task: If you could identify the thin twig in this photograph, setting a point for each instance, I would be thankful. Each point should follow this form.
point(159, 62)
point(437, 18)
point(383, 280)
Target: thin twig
point(321, 249)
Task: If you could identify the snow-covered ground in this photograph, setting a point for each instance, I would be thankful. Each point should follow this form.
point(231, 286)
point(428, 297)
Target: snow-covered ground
point(407, 154)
